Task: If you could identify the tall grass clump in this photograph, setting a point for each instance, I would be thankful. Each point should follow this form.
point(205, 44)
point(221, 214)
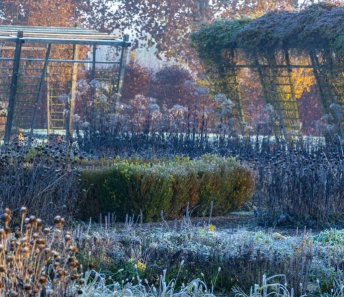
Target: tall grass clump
point(43, 178)
point(151, 187)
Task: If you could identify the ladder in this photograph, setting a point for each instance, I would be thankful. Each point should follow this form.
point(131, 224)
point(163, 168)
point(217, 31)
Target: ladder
point(278, 90)
point(58, 94)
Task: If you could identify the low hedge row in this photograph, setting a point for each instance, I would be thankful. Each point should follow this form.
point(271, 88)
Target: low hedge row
point(132, 186)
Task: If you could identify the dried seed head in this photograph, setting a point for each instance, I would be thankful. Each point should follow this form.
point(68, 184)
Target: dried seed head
point(23, 240)
point(26, 252)
point(47, 251)
point(67, 238)
point(18, 234)
point(32, 219)
point(75, 277)
point(41, 247)
point(27, 287)
point(12, 246)
point(13, 294)
point(2, 268)
point(39, 222)
point(23, 210)
point(9, 259)
point(35, 235)
point(73, 248)
point(5, 218)
point(60, 272)
point(43, 280)
point(26, 221)
point(41, 241)
point(57, 220)
point(8, 211)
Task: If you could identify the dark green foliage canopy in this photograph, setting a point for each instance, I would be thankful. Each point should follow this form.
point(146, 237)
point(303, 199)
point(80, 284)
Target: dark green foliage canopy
point(317, 27)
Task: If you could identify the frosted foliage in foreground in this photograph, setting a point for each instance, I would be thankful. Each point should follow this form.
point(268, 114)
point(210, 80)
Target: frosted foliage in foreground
point(97, 287)
point(274, 289)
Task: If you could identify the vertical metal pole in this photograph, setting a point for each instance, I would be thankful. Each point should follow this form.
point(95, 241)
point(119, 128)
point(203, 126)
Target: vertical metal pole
point(13, 87)
point(48, 102)
point(44, 71)
point(122, 64)
point(94, 52)
point(93, 74)
point(73, 91)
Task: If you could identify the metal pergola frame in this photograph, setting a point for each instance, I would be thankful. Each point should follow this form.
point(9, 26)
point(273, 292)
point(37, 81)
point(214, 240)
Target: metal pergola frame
point(48, 36)
point(278, 87)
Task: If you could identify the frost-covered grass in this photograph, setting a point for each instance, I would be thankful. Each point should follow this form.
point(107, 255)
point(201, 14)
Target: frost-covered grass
point(180, 259)
point(224, 260)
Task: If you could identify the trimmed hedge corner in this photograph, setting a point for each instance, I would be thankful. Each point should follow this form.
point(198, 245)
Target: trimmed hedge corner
point(168, 186)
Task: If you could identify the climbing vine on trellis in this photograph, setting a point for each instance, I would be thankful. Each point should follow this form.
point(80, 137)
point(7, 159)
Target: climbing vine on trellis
point(266, 44)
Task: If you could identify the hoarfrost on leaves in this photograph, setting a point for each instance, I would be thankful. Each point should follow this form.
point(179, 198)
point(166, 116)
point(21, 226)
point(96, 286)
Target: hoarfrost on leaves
point(151, 100)
point(156, 114)
point(178, 111)
point(188, 83)
point(3, 111)
point(76, 118)
point(124, 107)
point(269, 108)
point(220, 97)
point(82, 86)
point(334, 106)
point(63, 98)
point(226, 105)
point(102, 98)
point(85, 124)
point(141, 108)
point(112, 118)
point(202, 91)
point(154, 107)
point(95, 84)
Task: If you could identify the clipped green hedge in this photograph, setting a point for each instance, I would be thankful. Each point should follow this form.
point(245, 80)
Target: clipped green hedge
point(168, 186)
